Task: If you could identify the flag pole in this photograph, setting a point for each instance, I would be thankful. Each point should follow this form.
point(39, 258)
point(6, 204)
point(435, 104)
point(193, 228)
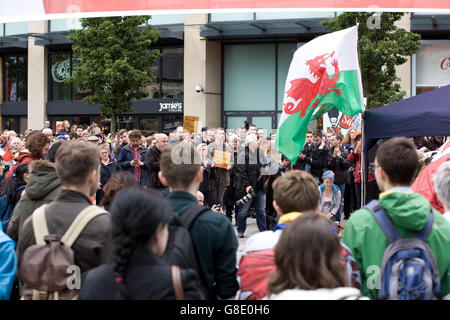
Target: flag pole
point(363, 135)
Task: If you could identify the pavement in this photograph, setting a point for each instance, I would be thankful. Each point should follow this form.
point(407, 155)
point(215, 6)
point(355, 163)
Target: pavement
point(252, 229)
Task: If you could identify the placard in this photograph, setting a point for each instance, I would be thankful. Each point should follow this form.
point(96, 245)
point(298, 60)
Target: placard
point(190, 123)
point(222, 159)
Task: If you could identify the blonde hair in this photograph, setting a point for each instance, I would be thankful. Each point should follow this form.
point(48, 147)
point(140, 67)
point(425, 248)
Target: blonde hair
point(271, 151)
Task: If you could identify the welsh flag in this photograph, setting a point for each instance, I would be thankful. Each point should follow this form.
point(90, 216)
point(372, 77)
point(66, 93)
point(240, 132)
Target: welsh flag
point(324, 73)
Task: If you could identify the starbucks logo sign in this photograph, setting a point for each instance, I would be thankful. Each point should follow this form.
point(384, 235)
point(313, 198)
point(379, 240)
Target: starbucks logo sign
point(61, 70)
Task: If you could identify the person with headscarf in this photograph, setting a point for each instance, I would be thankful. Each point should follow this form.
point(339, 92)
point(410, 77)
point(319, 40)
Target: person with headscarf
point(330, 196)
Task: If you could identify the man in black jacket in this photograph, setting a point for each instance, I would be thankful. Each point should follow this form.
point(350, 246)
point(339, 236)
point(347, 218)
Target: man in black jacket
point(339, 165)
point(251, 175)
point(152, 159)
point(314, 157)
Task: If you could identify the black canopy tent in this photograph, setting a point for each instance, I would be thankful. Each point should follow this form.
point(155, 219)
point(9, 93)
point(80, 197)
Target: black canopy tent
point(427, 114)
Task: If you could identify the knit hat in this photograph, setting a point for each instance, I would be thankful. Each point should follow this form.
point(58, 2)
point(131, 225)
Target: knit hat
point(328, 175)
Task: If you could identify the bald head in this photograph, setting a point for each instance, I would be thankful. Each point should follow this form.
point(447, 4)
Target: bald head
point(161, 141)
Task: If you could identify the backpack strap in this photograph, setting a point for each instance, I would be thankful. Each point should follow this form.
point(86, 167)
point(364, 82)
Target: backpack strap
point(425, 232)
point(40, 225)
point(383, 220)
point(188, 218)
point(80, 222)
point(18, 189)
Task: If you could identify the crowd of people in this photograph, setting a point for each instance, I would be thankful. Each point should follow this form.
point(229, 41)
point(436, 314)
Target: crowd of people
point(140, 224)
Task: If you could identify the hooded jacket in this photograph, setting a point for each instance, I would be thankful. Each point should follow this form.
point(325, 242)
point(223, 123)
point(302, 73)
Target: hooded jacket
point(335, 201)
point(42, 188)
point(8, 265)
point(409, 213)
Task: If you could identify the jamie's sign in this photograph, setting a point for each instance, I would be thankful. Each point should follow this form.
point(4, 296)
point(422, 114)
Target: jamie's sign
point(18, 10)
point(445, 64)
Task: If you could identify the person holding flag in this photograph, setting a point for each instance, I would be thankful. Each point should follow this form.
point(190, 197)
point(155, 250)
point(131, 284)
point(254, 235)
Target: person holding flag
point(324, 73)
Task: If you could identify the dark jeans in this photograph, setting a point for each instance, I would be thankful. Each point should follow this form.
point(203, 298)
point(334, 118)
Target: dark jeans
point(339, 212)
point(358, 196)
point(372, 191)
point(210, 197)
point(220, 190)
point(229, 212)
point(350, 197)
point(259, 203)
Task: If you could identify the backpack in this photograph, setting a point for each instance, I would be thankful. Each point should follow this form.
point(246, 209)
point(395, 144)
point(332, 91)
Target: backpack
point(44, 266)
point(255, 270)
point(408, 270)
point(7, 208)
point(180, 251)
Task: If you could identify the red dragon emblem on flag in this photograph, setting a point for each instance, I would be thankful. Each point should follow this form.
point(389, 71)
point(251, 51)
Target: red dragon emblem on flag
point(303, 90)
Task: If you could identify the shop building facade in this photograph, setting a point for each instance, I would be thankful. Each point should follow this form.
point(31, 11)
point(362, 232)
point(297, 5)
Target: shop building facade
point(240, 59)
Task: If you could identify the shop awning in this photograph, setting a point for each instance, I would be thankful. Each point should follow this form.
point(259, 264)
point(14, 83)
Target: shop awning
point(16, 41)
point(168, 33)
point(430, 23)
point(262, 28)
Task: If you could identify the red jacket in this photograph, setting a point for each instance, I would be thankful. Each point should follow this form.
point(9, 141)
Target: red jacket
point(22, 158)
point(356, 158)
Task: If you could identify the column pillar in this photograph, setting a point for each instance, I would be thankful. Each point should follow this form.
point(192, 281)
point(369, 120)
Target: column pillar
point(202, 66)
point(37, 77)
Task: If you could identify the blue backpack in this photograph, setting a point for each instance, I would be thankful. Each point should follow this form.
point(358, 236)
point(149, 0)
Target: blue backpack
point(7, 208)
point(408, 270)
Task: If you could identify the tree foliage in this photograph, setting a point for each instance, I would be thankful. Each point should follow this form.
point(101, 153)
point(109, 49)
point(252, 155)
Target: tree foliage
point(115, 61)
point(381, 50)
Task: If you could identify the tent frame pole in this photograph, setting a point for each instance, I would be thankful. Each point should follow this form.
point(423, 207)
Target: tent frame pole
point(363, 161)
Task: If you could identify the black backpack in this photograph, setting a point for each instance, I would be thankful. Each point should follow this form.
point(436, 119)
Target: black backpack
point(180, 250)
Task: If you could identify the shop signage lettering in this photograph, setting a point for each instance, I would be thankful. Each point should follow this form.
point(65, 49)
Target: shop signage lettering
point(171, 107)
point(445, 64)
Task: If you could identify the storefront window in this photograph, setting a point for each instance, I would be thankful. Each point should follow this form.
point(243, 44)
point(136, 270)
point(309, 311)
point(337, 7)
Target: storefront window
point(153, 90)
point(11, 123)
point(432, 67)
point(125, 122)
point(59, 70)
point(172, 73)
point(13, 28)
point(249, 77)
point(64, 24)
point(238, 16)
point(285, 54)
point(170, 123)
point(169, 73)
point(163, 19)
point(263, 122)
point(235, 122)
point(77, 94)
point(148, 124)
point(15, 78)
point(292, 15)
